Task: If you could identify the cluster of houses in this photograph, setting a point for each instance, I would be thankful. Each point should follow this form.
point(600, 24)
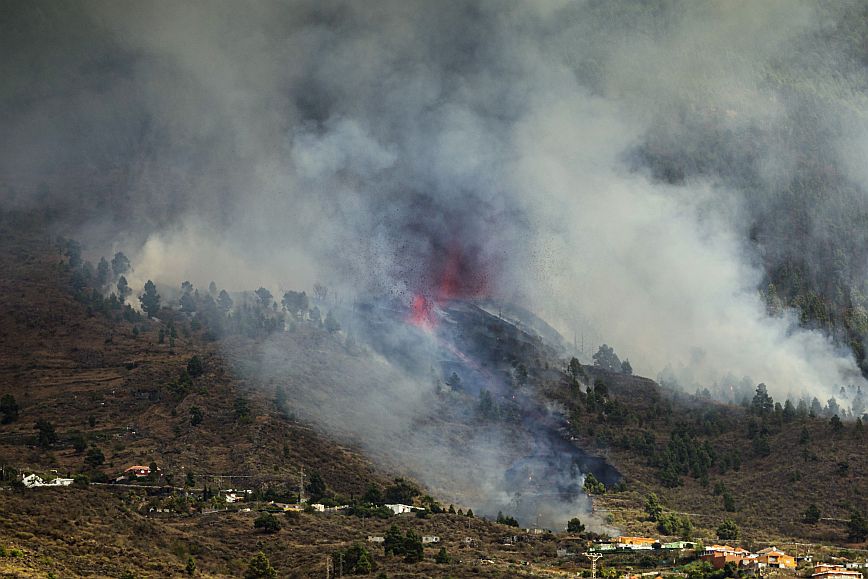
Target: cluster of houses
point(829, 571)
point(720, 555)
point(639, 544)
point(426, 539)
point(771, 557)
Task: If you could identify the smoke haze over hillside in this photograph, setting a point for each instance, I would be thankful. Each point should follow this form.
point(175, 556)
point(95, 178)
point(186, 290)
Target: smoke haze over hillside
point(631, 173)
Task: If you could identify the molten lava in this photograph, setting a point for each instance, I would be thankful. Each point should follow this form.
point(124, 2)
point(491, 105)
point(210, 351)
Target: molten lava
point(421, 314)
point(455, 275)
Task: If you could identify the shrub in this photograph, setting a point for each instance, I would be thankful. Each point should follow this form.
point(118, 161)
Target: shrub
point(267, 522)
point(195, 367)
point(728, 530)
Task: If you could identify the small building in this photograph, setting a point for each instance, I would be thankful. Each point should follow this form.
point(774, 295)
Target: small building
point(829, 571)
point(32, 480)
point(139, 471)
point(634, 543)
point(59, 482)
point(399, 509)
point(775, 558)
point(725, 549)
point(720, 555)
point(427, 539)
point(376, 539)
point(318, 507)
point(678, 545)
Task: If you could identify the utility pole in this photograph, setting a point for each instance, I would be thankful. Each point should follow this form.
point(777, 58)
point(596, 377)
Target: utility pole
point(593, 557)
point(341, 563)
point(329, 569)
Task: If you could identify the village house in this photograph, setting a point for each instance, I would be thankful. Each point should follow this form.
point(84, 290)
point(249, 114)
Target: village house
point(774, 558)
point(33, 480)
point(829, 571)
point(376, 539)
point(634, 543)
point(426, 539)
point(720, 555)
point(678, 545)
point(399, 509)
point(138, 471)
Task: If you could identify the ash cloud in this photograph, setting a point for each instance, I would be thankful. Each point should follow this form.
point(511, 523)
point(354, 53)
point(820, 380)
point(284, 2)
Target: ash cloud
point(627, 172)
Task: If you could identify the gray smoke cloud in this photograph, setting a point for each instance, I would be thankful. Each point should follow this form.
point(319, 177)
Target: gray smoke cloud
point(627, 172)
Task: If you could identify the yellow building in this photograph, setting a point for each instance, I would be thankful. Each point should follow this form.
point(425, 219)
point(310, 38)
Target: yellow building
point(634, 542)
point(774, 557)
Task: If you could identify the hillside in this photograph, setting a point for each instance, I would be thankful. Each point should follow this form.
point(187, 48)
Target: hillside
point(104, 380)
point(273, 404)
point(691, 451)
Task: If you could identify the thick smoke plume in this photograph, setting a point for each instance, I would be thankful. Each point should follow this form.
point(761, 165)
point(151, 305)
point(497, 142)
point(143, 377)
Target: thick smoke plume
point(629, 172)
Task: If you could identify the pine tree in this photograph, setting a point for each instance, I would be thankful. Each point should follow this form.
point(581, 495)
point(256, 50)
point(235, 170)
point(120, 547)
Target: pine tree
point(150, 299)
point(260, 568)
point(8, 408)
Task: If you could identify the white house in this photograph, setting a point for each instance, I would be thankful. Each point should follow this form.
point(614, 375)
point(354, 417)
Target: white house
point(426, 539)
point(32, 480)
point(376, 539)
point(59, 482)
point(398, 509)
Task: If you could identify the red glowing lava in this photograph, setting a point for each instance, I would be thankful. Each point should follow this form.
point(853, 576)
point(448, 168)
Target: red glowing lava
point(457, 274)
point(421, 314)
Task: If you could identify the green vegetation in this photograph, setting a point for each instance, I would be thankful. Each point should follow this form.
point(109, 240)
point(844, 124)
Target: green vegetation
point(355, 560)
point(260, 568)
point(575, 525)
point(8, 408)
point(857, 527)
point(728, 530)
point(409, 546)
point(268, 523)
point(506, 520)
point(150, 299)
point(46, 436)
point(812, 515)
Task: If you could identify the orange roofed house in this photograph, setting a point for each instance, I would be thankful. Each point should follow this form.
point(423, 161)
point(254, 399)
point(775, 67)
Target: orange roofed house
point(720, 555)
point(775, 558)
point(139, 470)
point(827, 571)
